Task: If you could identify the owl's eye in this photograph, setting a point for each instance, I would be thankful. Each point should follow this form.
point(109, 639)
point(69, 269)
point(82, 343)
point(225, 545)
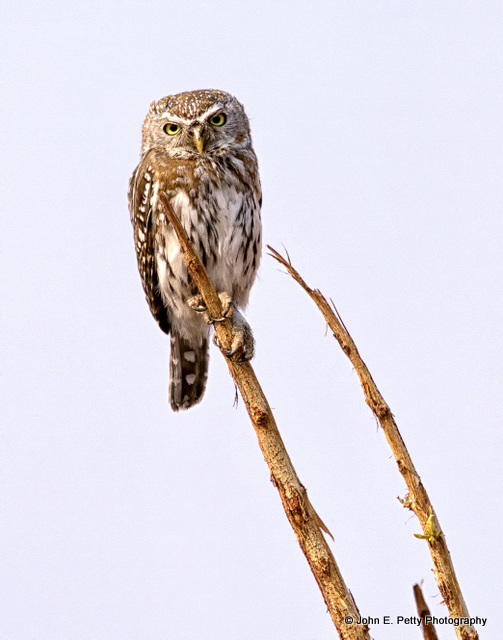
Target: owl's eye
point(172, 129)
point(219, 120)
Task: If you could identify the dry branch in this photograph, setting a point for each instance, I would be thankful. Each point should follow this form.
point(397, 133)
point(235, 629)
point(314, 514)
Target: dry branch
point(417, 499)
point(429, 632)
point(299, 511)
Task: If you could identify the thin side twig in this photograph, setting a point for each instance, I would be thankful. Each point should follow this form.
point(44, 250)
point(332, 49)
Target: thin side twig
point(417, 499)
point(429, 632)
point(303, 518)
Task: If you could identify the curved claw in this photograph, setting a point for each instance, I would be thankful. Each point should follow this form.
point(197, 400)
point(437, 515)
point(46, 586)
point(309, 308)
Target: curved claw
point(197, 304)
point(230, 353)
point(242, 347)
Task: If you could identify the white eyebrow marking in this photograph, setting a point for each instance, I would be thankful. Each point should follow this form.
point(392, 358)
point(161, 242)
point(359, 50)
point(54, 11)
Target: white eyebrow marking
point(209, 112)
point(169, 117)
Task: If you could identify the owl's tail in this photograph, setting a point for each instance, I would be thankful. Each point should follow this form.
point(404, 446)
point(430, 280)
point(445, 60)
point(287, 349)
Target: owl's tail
point(188, 372)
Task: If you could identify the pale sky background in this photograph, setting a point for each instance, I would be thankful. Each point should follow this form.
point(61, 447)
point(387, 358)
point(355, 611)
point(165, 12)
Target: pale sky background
point(378, 127)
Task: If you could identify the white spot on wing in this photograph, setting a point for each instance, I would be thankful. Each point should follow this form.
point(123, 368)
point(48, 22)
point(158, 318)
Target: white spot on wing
point(191, 378)
point(190, 356)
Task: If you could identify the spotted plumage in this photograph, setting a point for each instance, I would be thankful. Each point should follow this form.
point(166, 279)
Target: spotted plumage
point(197, 150)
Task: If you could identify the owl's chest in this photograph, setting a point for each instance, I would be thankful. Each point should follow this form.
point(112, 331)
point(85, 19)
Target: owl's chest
point(207, 196)
point(210, 218)
point(219, 209)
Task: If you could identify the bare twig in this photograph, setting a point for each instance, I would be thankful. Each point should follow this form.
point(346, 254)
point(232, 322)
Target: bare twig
point(303, 518)
point(429, 632)
point(417, 499)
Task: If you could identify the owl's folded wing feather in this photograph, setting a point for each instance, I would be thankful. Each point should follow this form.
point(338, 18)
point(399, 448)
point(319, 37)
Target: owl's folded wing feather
point(140, 208)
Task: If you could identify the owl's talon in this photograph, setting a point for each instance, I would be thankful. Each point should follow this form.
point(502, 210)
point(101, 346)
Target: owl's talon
point(230, 352)
point(242, 347)
point(197, 304)
point(227, 305)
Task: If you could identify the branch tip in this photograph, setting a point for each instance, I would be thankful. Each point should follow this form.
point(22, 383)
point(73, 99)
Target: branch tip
point(417, 500)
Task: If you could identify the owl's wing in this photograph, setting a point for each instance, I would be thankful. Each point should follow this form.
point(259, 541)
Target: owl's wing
point(142, 218)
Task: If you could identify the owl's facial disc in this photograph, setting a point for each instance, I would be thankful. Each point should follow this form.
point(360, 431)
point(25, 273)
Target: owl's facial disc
point(201, 135)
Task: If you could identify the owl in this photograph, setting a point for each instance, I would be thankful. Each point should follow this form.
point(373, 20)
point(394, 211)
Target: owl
point(197, 150)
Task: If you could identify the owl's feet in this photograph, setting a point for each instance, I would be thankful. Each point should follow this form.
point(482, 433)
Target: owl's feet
point(197, 303)
point(242, 346)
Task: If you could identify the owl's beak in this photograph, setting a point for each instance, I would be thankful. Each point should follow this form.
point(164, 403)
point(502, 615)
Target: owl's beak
point(198, 141)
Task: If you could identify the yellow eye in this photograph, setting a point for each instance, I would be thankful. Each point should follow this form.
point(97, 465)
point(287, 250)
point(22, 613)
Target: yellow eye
point(172, 129)
point(219, 120)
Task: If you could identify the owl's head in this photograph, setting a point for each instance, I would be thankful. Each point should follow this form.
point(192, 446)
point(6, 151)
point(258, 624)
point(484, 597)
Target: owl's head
point(196, 122)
